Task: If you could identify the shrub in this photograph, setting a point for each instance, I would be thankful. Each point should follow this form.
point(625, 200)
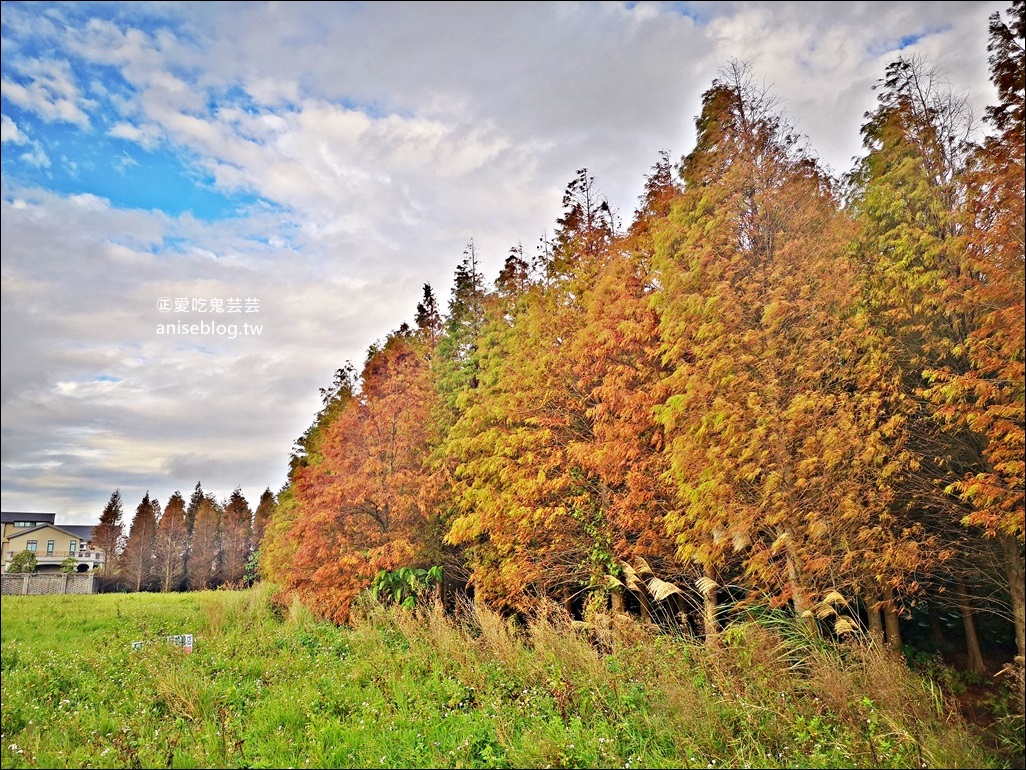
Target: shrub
point(23, 562)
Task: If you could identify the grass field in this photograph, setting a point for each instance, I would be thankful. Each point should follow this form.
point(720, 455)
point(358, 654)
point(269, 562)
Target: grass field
point(266, 688)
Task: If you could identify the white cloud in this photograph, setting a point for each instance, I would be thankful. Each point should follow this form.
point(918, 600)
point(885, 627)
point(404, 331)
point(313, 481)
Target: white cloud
point(50, 91)
point(146, 136)
point(9, 131)
point(90, 201)
point(79, 305)
point(124, 162)
point(37, 157)
point(381, 137)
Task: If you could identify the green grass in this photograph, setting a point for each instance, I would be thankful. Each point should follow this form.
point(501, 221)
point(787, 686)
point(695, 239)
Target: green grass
point(402, 689)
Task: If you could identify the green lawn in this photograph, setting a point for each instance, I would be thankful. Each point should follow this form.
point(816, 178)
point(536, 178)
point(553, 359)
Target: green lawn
point(283, 689)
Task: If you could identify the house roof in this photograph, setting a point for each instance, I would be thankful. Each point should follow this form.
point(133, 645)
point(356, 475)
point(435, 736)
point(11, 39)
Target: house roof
point(9, 517)
point(78, 531)
point(84, 531)
point(29, 530)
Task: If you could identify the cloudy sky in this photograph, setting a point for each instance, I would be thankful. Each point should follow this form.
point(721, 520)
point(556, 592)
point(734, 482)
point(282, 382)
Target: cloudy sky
point(275, 182)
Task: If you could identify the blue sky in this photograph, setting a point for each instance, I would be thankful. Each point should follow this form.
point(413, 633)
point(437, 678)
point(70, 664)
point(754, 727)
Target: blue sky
point(67, 161)
point(307, 167)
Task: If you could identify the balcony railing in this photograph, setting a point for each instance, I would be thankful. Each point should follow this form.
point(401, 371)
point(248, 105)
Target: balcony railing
point(92, 555)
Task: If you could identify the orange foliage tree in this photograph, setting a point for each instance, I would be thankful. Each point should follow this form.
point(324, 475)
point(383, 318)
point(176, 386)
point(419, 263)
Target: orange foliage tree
point(278, 544)
point(615, 358)
point(773, 435)
point(529, 512)
point(137, 563)
point(983, 392)
point(756, 388)
point(203, 569)
point(908, 197)
point(236, 538)
point(171, 544)
point(359, 508)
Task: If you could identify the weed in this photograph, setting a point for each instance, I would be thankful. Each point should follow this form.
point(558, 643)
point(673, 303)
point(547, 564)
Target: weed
point(270, 685)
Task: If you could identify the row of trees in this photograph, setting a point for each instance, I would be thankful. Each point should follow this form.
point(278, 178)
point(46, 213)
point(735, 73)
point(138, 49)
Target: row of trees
point(196, 545)
point(774, 386)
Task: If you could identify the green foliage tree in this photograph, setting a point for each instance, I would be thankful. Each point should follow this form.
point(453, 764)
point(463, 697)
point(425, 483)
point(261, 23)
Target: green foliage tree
point(428, 319)
point(454, 362)
point(22, 562)
point(455, 369)
point(908, 197)
point(252, 573)
point(262, 515)
point(193, 508)
point(528, 513)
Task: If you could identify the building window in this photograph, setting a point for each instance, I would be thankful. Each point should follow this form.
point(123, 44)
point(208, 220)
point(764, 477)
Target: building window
point(24, 524)
point(49, 547)
point(31, 546)
point(74, 547)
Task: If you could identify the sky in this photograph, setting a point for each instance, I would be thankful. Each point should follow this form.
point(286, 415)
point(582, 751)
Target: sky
point(208, 208)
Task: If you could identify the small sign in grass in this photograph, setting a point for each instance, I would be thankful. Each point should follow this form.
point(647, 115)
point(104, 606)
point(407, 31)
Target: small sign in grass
point(178, 640)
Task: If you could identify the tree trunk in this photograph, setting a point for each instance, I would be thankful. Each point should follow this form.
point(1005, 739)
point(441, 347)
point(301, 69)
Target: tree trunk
point(876, 628)
point(616, 600)
point(646, 606)
point(890, 613)
point(974, 658)
point(802, 610)
point(711, 625)
point(936, 632)
point(1015, 568)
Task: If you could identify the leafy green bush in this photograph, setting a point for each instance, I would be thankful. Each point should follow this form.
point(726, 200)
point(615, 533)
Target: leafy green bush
point(404, 586)
point(22, 562)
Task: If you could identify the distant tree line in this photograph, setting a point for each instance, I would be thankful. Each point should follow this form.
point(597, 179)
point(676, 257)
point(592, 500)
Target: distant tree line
point(205, 543)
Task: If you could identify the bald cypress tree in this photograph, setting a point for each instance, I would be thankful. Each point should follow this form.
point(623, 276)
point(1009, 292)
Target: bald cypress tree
point(205, 546)
point(170, 545)
point(137, 560)
point(193, 508)
point(108, 534)
point(236, 537)
point(262, 515)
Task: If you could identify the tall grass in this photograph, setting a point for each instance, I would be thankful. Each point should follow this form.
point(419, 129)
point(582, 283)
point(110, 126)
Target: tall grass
point(269, 687)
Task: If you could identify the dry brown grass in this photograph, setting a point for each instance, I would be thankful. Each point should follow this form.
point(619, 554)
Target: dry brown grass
point(741, 700)
point(874, 692)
